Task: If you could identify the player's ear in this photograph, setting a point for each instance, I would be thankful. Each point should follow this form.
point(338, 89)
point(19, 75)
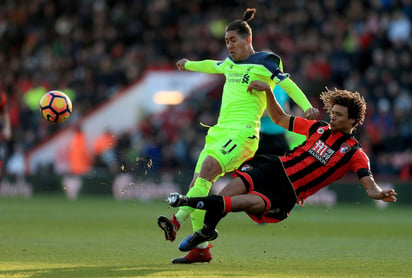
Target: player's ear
point(249, 39)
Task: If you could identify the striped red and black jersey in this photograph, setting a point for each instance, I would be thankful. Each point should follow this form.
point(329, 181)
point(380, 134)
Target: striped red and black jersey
point(323, 158)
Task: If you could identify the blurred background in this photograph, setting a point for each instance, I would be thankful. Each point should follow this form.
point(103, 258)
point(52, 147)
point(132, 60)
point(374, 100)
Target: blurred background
point(110, 56)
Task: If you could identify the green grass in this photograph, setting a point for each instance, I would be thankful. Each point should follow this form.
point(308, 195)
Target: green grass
point(49, 236)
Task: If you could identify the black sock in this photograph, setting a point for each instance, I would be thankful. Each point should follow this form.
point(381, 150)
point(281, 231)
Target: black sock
point(212, 203)
point(212, 218)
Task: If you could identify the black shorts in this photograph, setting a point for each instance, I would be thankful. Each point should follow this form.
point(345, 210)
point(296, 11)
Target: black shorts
point(274, 144)
point(265, 176)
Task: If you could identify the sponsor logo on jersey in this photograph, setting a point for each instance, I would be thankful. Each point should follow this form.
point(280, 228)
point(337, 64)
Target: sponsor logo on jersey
point(238, 78)
point(234, 78)
point(321, 151)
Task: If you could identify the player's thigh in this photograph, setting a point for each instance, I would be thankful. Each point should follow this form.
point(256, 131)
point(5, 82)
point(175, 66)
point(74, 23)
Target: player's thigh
point(234, 187)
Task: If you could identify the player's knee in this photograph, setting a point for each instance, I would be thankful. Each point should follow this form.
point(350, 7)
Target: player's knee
point(255, 204)
point(210, 168)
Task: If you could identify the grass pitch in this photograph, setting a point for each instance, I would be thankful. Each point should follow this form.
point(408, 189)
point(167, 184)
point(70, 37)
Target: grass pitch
point(49, 236)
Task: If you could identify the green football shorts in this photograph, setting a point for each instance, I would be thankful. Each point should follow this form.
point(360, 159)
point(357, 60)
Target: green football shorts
point(229, 147)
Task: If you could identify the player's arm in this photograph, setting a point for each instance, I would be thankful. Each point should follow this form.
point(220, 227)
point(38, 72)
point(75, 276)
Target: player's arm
point(359, 163)
point(375, 192)
point(295, 93)
point(206, 66)
point(275, 111)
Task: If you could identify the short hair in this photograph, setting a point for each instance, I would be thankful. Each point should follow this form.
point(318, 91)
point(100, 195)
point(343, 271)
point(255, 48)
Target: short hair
point(242, 26)
point(355, 103)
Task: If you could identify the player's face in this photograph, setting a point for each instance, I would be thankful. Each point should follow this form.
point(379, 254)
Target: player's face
point(238, 47)
point(339, 120)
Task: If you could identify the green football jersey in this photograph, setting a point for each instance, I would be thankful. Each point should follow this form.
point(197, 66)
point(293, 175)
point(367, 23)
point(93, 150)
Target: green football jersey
point(239, 108)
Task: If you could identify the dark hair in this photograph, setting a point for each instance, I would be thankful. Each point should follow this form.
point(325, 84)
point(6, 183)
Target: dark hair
point(242, 26)
point(355, 103)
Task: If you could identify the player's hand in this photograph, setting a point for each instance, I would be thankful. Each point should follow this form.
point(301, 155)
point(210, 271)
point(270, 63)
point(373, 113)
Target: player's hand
point(312, 113)
point(181, 64)
point(258, 86)
point(388, 195)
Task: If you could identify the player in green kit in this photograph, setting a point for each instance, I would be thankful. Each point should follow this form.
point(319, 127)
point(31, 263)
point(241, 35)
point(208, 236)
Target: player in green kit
point(235, 136)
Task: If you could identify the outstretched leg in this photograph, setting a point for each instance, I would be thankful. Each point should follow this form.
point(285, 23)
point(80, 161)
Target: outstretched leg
point(209, 171)
point(216, 207)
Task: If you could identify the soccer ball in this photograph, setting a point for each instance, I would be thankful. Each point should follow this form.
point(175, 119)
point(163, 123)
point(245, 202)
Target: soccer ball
point(55, 107)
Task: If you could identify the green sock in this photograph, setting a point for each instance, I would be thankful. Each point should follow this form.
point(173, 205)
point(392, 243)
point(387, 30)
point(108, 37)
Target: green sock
point(182, 214)
point(198, 217)
point(199, 189)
